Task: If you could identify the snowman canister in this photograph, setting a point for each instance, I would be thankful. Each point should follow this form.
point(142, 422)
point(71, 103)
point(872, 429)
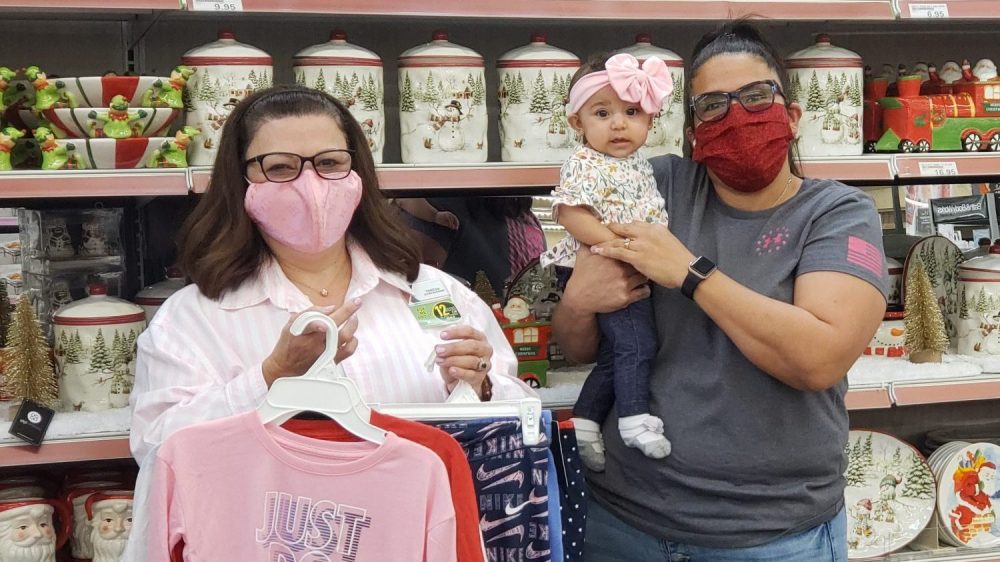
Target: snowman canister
point(225, 72)
point(667, 134)
point(442, 103)
point(95, 350)
point(827, 82)
point(979, 305)
point(351, 74)
point(152, 297)
point(533, 87)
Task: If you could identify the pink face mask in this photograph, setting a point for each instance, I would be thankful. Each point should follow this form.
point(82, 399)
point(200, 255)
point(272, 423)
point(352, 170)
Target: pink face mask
point(308, 214)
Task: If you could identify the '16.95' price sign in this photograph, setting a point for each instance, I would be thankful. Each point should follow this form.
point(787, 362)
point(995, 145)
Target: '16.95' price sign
point(216, 5)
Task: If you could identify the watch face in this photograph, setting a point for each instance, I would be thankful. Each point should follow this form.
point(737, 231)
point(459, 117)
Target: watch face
point(703, 266)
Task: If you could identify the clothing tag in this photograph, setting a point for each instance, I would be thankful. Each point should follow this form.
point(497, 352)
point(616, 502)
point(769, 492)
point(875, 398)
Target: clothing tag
point(31, 422)
point(428, 291)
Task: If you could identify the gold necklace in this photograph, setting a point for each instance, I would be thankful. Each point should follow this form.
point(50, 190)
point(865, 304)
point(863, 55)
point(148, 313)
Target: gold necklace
point(783, 191)
point(322, 292)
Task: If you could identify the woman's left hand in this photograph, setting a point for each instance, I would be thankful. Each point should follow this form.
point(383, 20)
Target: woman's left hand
point(468, 358)
point(651, 249)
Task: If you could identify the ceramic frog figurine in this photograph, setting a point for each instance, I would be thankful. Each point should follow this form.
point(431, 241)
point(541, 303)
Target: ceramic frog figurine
point(17, 94)
point(48, 95)
point(170, 94)
point(6, 75)
point(173, 153)
point(55, 157)
point(118, 121)
point(8, 137)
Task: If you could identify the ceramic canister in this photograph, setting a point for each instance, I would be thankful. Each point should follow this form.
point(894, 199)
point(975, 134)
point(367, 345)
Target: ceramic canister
point(226, 71)
point(890, 337)
point(442, 103)
point(152, 298)
point(827, 82)
point(667, 134)
point(533, 87)
point(353, 75)
point(95, 350)
point(979, 305)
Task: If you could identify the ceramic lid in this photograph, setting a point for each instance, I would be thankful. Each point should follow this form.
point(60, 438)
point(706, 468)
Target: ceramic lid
point(824, 55)
point(336, 52)
point(440, 52)
point(155, 294)
point(226, 51)
point(644, 48)
point(538, 53)
point(98, 310)
point(979, 267)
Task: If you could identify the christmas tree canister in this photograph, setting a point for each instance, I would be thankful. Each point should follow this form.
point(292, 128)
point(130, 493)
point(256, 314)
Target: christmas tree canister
point(95, 341)
point(225, 72)
point(533, 87)
point(827, 82)
point(979, 305)
point(351, 74)
point(442, 103)
point(152, 297)
point(667, 134)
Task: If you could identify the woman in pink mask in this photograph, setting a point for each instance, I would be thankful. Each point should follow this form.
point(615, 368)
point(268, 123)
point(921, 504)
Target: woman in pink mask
point(294, 220)
point(766, 289)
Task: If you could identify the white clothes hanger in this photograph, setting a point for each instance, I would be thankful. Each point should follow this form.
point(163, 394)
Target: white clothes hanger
point(324, 389)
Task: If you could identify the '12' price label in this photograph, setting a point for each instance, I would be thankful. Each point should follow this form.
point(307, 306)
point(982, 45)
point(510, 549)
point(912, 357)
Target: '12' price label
point(217, 5)
point(938, 169)
point(928, 11)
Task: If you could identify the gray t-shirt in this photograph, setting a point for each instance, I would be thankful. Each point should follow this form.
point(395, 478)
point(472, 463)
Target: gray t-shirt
point(753, 459)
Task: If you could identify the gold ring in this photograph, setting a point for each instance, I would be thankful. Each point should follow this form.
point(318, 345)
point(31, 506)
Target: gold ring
point(483, 364)
point(627, 242)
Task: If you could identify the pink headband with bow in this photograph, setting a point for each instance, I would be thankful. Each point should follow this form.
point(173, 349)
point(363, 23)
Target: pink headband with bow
point(646, 86)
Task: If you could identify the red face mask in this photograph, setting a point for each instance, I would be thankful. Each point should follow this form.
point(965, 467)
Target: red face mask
point(745, 150)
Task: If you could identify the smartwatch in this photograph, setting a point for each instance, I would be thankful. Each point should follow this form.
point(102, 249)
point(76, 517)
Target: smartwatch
point(698, 271)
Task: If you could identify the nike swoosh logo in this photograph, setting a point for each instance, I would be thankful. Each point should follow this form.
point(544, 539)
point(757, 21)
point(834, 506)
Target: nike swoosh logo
point(519, 476)
point(510, 510)
point(545, 515)
point(537, 499)
point(486, 526)
point(533, 554)
point(483, 475)
point(519, 531)
point(488, 430)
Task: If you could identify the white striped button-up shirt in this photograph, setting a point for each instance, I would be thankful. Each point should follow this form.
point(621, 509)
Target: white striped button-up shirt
point(200, 359)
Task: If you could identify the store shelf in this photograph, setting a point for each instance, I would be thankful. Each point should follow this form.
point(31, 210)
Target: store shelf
point(938, 392)
point(646, 10)
point(876, 169)
point(92, 183)
point(8, 221)
point(125, 5)
point(948, 9)
point(947, 166)
point(868, 398)
point(65, 450)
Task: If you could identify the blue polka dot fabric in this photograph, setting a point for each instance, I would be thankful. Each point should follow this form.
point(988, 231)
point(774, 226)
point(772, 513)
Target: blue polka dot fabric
point(573, 490)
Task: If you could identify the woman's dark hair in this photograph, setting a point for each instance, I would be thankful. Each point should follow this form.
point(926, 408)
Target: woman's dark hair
point(220, 246)
point(741, 37)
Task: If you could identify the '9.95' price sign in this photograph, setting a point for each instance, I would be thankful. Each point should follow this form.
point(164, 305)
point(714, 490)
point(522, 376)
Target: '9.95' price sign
point(216, 5)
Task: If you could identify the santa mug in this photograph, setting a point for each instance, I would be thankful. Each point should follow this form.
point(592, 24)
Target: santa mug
point(26, 530)
point(80, 544)
point(110, 516)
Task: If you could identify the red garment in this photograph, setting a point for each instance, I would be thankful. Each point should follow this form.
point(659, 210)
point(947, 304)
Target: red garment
point(463, 495)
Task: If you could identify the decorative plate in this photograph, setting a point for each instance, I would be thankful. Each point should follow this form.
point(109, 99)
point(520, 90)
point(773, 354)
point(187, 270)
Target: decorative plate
point(969, 496)
point(890, 494)
point(940, 257)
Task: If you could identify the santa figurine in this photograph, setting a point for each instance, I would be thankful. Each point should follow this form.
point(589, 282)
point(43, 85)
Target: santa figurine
point(110, 516)
point(516, 310)
point(27, 533)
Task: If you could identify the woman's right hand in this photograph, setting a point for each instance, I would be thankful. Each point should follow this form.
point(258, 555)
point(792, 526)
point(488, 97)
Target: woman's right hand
point(293, 355)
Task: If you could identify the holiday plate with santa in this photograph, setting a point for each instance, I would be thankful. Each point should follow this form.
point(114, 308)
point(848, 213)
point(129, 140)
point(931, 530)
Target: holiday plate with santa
point(890, 494)
point(969, 494)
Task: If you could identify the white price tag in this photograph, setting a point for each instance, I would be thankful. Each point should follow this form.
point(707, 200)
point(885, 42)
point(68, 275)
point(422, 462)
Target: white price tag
point(938, 169)
point(928, 11)
point(216, 5)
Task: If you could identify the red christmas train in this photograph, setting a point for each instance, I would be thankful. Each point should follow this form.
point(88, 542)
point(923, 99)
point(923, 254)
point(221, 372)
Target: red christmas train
point(962, 116)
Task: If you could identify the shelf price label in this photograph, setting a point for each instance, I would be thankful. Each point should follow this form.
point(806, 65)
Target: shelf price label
point(216, 5)
point(938, 169)
point(928, 11)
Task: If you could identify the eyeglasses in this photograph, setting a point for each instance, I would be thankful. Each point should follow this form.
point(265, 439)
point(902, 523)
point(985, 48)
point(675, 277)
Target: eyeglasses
point(754, 97)
point(281, 167)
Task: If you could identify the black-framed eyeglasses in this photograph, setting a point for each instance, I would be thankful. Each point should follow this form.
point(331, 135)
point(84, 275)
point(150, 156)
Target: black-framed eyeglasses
point(754, 97)
point(281, 167)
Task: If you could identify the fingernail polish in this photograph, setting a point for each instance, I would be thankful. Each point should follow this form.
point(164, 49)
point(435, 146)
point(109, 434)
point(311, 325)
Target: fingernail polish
point(444, 335)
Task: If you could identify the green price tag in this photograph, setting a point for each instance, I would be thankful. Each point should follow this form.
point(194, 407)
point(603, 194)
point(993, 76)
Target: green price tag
point(436, 313)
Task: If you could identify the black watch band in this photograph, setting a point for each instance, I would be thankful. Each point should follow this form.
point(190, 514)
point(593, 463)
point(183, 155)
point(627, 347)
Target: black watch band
point(698, 271)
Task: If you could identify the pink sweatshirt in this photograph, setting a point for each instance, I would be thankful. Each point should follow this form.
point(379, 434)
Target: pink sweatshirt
point(235, 489)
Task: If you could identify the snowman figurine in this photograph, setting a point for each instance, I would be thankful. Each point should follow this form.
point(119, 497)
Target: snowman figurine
point(59, 295)
point(58, 242)
point(95, 242)
point(657, 136)
point(450, 137)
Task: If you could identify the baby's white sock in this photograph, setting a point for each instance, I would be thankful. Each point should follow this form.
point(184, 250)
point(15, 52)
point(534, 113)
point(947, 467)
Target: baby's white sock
point(644, 432)
point(590, 443)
